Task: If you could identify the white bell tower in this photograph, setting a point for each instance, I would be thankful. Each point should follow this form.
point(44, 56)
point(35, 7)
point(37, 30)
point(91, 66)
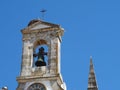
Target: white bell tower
point(41, 77)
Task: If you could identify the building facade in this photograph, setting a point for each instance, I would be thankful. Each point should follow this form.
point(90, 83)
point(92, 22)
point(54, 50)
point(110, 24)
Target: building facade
point(37, 73)
point(40, 67)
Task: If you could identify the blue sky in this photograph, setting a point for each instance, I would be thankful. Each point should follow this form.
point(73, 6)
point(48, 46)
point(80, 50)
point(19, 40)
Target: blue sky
point(92, 28)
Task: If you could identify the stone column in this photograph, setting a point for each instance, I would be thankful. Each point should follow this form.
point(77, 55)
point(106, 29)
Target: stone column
point(53, 56)
point(58, 55)
point(26, 59)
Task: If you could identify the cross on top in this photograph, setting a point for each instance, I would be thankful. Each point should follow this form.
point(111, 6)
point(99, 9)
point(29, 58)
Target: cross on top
point(43, 13)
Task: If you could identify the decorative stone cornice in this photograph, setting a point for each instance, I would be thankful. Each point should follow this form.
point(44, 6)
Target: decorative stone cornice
point(47, 27)
point(29, 78)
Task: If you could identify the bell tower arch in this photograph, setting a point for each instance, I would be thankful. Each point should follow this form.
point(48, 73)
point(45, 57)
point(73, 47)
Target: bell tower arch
point(40, 40)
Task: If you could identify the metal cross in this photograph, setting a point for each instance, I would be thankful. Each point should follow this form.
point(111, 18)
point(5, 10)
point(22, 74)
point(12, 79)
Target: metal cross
point(43, 13)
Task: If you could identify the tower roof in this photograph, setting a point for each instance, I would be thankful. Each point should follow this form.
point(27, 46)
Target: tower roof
point(37, 25)
point(33, 21)
point(38, 21)
point(92, 83)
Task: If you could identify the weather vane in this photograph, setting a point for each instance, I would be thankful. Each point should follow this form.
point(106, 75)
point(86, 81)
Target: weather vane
point(43, 13)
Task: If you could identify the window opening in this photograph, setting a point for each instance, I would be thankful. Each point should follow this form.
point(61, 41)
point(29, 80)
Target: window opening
point(40, 56)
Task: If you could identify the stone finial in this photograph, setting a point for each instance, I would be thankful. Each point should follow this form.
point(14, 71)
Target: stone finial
point(92, 83)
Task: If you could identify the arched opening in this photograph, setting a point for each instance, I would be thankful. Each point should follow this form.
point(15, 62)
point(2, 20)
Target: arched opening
point(40, 53)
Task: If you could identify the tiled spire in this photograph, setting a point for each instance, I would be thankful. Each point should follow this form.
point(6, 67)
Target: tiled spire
point(92, 83)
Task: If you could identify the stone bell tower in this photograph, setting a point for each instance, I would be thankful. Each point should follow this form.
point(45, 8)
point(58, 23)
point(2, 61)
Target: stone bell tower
point(45, 75)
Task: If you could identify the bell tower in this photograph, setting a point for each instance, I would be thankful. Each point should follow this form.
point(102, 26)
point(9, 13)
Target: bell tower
point(40, 67)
